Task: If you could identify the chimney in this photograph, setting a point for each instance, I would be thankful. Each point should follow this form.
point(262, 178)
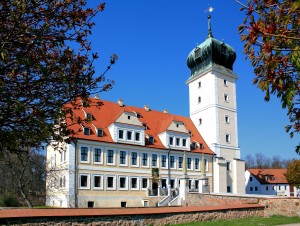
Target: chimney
point(96, 97)
point(166, 111)
point(147, 107)
point(120, 102)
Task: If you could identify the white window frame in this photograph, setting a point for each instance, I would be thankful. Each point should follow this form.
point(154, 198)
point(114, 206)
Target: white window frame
point(101, 155)
point(88, 181)
point(226, 97)
point(227, 138)
point(138, 184)
point(126, 183)
point(123, 138)
point(141, 182)
point(114, 157)
point(132, 134)
point(179, 145)
point(174, 162)
point(181, 163)
point(135, 133)
point(199, 164)
point(191, 163)
point(161, 158)
point(185, 142)
point(171, 137)
point(227, 119)
point(101, 182)
point(126, 158)
point(157, 160)
point(88, 153)
point(148, 157)
point(114, 182)
point(137, 159)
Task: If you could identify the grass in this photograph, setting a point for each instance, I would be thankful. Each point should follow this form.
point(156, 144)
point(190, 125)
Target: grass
point(257, 221)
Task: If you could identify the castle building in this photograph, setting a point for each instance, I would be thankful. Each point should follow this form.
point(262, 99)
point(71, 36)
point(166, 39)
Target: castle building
point(126, 156)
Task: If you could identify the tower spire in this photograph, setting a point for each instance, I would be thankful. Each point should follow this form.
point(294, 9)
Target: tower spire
point(210, 35)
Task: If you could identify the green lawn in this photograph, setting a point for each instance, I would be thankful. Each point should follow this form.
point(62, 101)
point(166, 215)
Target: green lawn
point(275, 220)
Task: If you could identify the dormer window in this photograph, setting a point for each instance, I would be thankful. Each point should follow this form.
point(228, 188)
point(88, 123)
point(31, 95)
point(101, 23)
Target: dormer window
point(128, 117)
point(137, 136)
point(197, 53)
point(177, 141)
point(151, 139)
point(89, 116)
point(86, 131)
point(184, 142)
point(129, 135)
point(193, 145)
point(99, 132)
point(201, 146)
point(171, 140)
point(121, 134)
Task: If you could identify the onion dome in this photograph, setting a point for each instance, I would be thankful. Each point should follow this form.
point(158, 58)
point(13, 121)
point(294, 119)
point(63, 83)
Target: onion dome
point(211, 51)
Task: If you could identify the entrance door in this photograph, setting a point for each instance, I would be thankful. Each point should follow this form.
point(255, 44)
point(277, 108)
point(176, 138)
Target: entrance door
point(155, 188)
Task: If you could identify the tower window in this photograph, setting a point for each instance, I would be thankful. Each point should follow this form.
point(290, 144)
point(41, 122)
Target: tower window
point(228, 138)
point(197, 52)
point(199, 84)
point(226, 97)
point(200, 121)
point(199, 99)
point(226, 119)
point(225, 82)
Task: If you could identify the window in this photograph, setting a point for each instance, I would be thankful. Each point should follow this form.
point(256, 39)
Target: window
point(226, 119)
point(180, 160)
point(199, 99)
point(193, 145)
point(279, 188)
point(133, 158)
point(145, 203)
point(110, 182)
point(99, 132)
point(86, 131)
point(267, 188)
point(62, 181)
point(163, 161)
point(189, 163)
point(172, 161)
point(251, 178)
point(226, 98)
point(184, 142)
point(84, 154)
point(172, 183)
point(110, 156)
point(123, 184)
point(200, 121)
point(97, 155)
point(177, 141)
point(97, 182)
point(228, 165)
point(255, 188)
point(228, 189)
point(121, 134)
point(151, 140)
point(197, 161)
point(197, 53)
point(144, 183)
point(199, 84)
point(251, 188)
point(129, 135)
point(273, 187)
point(144, 159)
point(171, 140)
point(124, 204)
point(134, 183)
point(154, 160)
point(137, 136)
point(227, 137)
point(206, 164)
point(128, 117)
point(196, 184)
point(164, 183)
point(84, 181)
point(201, 146)
point(90, 204)
point(89, 116)
point(123, 158)
point(225, 82)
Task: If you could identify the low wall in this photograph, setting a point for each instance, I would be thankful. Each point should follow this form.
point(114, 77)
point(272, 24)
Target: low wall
point(281, 206)
point(128, 216)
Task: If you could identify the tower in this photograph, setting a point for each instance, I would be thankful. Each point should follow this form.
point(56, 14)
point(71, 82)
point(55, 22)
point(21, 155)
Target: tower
point(213, 110)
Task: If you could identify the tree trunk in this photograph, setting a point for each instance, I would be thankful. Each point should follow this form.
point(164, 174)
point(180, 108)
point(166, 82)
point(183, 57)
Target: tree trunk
point(23, 194)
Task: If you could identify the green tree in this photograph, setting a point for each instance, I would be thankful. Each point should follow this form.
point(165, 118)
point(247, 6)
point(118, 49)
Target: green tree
point(272, 43)
point(293, 173)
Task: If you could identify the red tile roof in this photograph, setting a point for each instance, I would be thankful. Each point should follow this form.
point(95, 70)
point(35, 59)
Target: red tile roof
point(269, 176)
point(105, 113)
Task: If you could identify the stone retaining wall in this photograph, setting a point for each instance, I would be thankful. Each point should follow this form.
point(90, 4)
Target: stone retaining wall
point(139, 220)
point(281, 206)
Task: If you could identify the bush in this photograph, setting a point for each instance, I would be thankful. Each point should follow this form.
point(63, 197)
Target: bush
point(9, 200)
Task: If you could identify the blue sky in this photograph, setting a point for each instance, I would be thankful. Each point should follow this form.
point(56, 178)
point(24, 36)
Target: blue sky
point(153, 39)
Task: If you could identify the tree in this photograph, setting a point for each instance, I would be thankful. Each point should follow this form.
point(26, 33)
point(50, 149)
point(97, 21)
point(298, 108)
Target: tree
point(46, 61)
point(272, 42)
point(293, 173)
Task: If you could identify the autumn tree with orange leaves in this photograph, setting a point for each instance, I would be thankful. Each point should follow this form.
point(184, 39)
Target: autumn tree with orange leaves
point(271, 33)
